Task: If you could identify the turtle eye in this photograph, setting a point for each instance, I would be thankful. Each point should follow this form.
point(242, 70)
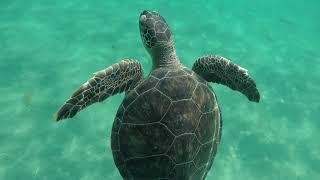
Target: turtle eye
point(143, 19)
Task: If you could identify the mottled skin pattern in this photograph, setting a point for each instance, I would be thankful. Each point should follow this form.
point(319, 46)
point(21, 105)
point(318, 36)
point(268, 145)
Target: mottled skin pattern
point(221, 70)
point(158, 40)
point(169, 124)
point(117, 78)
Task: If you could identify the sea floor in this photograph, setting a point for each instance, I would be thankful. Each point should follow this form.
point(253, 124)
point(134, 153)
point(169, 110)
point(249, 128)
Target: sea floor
point(49, 48)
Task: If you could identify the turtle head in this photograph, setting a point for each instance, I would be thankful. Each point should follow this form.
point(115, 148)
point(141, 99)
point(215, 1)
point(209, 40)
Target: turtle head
point(154, 30)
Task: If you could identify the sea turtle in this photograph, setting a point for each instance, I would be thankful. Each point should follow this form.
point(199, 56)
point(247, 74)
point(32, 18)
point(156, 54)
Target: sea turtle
point(169, 124)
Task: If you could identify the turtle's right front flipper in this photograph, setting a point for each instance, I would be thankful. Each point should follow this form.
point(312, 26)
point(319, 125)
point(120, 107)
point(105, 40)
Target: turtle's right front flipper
point(117, 78)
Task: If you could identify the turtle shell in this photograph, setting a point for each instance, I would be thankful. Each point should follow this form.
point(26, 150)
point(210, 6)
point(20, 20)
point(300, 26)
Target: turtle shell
point(168, 127)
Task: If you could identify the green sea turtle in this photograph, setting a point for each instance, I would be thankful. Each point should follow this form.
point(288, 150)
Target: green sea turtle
point(169, 124)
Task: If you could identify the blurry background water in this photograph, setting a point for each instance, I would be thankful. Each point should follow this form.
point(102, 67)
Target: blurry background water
point(48, 48)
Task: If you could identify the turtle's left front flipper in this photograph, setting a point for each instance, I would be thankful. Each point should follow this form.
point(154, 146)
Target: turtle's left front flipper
point(118, 78)
point(220, 70)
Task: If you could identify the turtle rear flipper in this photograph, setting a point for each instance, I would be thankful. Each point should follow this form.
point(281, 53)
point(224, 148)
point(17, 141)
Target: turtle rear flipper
point(220, 70)
point(118, 78)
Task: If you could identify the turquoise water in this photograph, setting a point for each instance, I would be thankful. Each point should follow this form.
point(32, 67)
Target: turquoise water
point(49, 48)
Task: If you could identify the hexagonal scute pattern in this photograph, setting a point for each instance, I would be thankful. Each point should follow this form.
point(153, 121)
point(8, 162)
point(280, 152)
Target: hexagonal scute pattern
point(188, 71)
point(182, 117)
point(218, 131)
point(203, 155)
point(213, 154)
point(150, 167)
point(120, 112)
point(199, 78)
point(177, 88)
point(159, 73)
point(118, 158)
point(130, 97)
point(182, 171)
point(178, 72)
point(116, 125)
point(144, 140)
point(165, 128)
point(146, 109)
point(199, 174)
point(206, 128)
point(184, 148)
point(149, 83)
point(204, 98)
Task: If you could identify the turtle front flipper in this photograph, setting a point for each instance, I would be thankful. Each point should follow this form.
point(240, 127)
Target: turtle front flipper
point(118, 78)
point(220, 70)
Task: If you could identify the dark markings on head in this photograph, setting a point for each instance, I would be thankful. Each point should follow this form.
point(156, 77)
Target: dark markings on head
point(153, 29)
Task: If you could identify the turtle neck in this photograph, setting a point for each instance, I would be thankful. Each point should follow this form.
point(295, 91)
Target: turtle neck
point(164, 55)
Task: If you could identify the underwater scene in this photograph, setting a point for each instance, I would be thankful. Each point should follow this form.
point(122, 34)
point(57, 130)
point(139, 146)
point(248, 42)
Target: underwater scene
point(48, 49)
